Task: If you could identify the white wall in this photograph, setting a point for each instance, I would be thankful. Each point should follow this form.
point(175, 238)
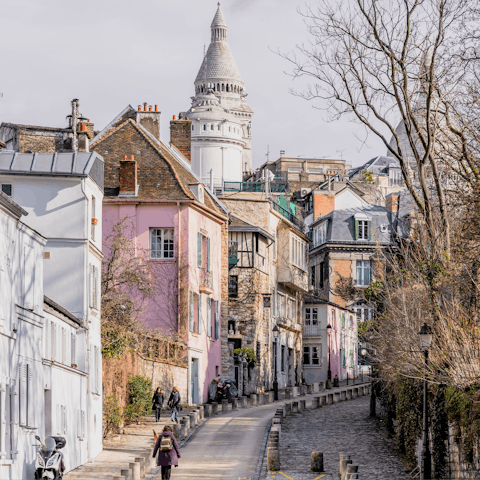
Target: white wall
point(348, 199)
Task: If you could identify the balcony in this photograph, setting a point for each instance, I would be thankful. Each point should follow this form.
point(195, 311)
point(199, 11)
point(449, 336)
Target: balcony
point(206, 281)
point(232, 254)
point(311, 331)
point(255, 187)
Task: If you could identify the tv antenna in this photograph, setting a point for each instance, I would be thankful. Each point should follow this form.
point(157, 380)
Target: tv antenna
point(268, 153)
point(341, 153)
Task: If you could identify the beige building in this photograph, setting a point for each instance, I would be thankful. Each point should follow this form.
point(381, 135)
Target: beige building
point(268, 276)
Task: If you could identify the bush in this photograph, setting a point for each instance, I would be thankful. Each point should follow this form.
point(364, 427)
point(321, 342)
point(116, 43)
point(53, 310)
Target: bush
point(112, 416)
point(249, 354)
point(140, 392)
point(129, 415)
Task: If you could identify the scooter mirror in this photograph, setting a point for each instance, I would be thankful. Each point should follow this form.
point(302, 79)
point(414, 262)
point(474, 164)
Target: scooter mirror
point(37, 438)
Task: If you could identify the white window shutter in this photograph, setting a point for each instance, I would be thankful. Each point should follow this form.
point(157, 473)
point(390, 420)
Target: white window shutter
point(97, 289)
point(29, 278)
point(96, 372)
point(65, 420)
point(13, 420)
point(30, 398)
point(73, 349)
point(48, 339)
point(22, 374)
point(83, 424)
point(91, 284)
point(59, 419)
point(54, 342)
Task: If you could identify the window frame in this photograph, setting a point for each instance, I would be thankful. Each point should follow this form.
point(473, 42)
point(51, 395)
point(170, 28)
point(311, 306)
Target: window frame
point(7, 185)
point(361, 266)
point(171, 241)
point(230, 285)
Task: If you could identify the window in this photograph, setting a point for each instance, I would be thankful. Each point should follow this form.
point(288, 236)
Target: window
point(200, 315)
point(217, 320)
point(363, 312)
point(363, 229)
point(94, 286)
point(195, 313)
point(7, 189)
point(94, 219)
point(161, 243)
point(344, 358)
point(191, 320)
point(96, 370)
point(343, 319)
point(363, 273)
point(203, 251)
point(311, 355)
point(211, 127)
point(315, 170)
point(322, 275)
point(81, 424)
point(218, 127)
point(311, 316)
point(298, 253)
point(320, 234)
point(295, 170)
point(258, 354)
point(283, 359)
point(204, 127)
point(395, 178)
point(291, 308)
point(313, 280)
point(61, 419)
point(233, 286)
point(281, 305)
point(29, 278)
point(193, 128)
point(73, 349)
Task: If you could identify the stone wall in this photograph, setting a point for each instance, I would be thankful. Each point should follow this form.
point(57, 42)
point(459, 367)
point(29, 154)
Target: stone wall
point(459, 468)
point(180, 136)
point(163, 375)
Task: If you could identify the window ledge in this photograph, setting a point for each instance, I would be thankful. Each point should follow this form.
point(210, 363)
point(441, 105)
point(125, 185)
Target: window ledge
point(6, 462)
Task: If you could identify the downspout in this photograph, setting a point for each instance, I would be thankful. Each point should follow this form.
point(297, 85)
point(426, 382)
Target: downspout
point(179, 260)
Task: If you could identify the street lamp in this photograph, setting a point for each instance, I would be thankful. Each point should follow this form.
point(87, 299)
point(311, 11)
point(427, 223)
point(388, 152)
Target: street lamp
point(328, 383)
point(426, 336)
point(276, 332)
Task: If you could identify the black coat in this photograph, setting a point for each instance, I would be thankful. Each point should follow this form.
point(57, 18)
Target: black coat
point(158, 399)
point(174, 401)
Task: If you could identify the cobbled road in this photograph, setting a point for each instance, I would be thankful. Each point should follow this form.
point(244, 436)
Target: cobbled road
point(341, 428)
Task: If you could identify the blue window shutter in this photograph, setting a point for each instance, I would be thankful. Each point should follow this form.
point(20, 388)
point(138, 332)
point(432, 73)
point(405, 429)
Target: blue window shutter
point(191, 312)
point(356, 229)
point(370, 230)
point(217, 319)
point(209, 317)
point(208, 254)
point(199, 249)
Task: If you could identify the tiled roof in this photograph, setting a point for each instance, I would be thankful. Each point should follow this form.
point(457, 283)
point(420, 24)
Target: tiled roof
point(166, 178)
point(219, 64)
point(376, 165)
point(14, 207)
point(219, 19)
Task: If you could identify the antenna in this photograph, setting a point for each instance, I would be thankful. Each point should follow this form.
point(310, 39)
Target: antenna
point(341, 153)
point(268, 153)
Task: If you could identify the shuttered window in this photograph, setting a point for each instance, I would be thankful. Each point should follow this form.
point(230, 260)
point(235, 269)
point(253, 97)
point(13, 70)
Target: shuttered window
point(195, 313)
point(53, 351)
point(363, 230)
point(94, 287)
point(199, 249)
point(97, 370)
point(64, 345)
point(81, 425)
point(73, 349)
point(217, 319)
point(29, 278)
point(22, 393)
point(191, 315)
point(48, 339)
point(91, 285)
point(200, 317)
point(208, 255)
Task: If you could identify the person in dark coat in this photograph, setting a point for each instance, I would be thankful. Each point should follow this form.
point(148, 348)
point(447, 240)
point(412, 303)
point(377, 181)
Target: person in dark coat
point(167, 459)
point(174, 402)
point(157, 403)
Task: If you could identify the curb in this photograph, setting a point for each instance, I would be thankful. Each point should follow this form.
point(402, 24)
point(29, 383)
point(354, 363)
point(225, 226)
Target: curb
point(263, 449)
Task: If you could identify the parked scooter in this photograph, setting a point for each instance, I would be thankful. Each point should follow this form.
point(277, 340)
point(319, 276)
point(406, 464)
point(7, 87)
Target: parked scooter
point(49, 463)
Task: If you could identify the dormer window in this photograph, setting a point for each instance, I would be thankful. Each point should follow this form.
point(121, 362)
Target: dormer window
point(363, 227)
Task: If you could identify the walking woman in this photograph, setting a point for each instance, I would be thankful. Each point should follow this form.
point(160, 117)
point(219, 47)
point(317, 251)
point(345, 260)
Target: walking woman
point(169, 452)
point(174, 402)
point(157, 403)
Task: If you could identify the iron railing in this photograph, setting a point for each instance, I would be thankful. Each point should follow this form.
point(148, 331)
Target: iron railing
point(288, 215)
point(311, 330)
point(255, 187)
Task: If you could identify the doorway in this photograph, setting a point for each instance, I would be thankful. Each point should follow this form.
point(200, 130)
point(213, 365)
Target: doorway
point(291, 368)
point(195, 397)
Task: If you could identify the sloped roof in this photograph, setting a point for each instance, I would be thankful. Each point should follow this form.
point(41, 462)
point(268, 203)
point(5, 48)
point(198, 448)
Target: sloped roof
point(239, 225)
point(152, 184)
point(219, 19)
point(78, 164)
point(11, 205)
point(341, 224)
point(376, 165)
point(219, 63)
point(2, 145)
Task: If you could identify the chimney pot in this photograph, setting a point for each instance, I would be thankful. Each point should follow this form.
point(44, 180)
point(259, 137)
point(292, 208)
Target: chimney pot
point(124, 157)
point(187, 119)
point(174, 117)
point(89, 121)
point(150, 108)
point(156, 108)
point(139, 108)
point(132, 157)
point(145, 107)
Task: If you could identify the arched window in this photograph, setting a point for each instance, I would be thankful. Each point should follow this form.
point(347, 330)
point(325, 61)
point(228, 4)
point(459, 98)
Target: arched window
point(218, 87)
point(211, 127)
point(193, 128)
point(229, 129)
point(223, 87)
point(218, 127)
point(204, 127)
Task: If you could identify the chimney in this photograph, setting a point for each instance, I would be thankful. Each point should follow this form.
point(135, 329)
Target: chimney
point(181, 135)
point(323, 203)
point(149, 119)
point(282, 153)
point(82, 136)
point(90, 129)
point(128, 176)
point(392, 202)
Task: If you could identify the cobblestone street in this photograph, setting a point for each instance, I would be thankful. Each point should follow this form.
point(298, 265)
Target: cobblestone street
point(341, 428)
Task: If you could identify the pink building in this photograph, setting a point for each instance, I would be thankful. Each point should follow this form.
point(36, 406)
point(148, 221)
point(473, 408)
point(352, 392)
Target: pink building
point(182, 230)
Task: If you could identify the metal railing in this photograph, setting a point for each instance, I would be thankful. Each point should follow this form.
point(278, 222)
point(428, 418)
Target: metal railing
point(255, 187)
point(311, 330)
point(288, 215)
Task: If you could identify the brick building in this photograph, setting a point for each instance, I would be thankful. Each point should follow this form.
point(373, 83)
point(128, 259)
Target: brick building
point(182, 228)
point(268, 277)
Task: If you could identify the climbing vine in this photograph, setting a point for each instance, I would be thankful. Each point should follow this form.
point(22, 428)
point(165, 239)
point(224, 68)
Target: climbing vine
point(439, 429)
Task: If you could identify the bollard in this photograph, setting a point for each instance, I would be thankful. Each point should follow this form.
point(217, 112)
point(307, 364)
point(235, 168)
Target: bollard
point(260, 399)
point(135, 469)
point(349, 394)
point(351, 472)
point(271, 397)
point(295, 392)
point(316, 402)
point(288, 394)
point(243, 402)
point(208, 410)
point(288, 409)
point(266, 398)
point(344, 461)
point(316, 461)
point(141, 461)
point(273, 459)
point(294, 407)
point(193, 419)
point(146, 464)
point(323, 400)
point(177, 427)
point(303, 405)
point(183, 430)
point(343, 395)
point(201, 412)
point(126, 474)
point(234, 403)
point(224, 406)
point(309, 389)
point(355, 393)
point(276, 419)
point(336, 397)
point(151, 458)
point(280, 412)
point(214, 408)
point(253, 400)
point(188, 422)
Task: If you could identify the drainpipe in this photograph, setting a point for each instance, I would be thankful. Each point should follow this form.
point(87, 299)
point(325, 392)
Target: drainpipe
point(179, 263)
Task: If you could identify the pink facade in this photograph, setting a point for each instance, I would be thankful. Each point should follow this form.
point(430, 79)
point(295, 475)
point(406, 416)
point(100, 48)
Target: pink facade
point(182, 224)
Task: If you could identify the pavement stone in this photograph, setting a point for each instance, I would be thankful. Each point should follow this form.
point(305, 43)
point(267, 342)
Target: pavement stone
point(341, 428)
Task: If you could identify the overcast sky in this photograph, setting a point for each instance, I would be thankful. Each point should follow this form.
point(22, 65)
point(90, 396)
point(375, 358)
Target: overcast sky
point(111, 53)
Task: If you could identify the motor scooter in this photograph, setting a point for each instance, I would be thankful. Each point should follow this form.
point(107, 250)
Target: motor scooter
point(49, 463)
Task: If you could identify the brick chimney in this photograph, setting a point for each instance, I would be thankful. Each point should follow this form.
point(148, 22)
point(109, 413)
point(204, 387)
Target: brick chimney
point(392, 202)
point(128, 176)
point(181, 135)
point(323, 203)
point(83, 137)
point(149, 118)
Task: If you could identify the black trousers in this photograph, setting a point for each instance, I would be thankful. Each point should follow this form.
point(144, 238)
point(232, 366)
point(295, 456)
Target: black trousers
point(158, 411)
point(166, 471)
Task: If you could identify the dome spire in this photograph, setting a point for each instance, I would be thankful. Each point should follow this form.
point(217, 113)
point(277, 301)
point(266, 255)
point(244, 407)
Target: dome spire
point(219, 26)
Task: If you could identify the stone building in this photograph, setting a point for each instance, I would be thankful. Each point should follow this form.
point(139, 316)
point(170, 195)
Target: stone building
point(300, 173)
point(220, 121)
point(40, 139)
point(268, 277)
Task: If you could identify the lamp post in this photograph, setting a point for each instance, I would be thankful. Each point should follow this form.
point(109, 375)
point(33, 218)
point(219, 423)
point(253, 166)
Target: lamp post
point(328, 383)
point(426, 336)
point(276, 332)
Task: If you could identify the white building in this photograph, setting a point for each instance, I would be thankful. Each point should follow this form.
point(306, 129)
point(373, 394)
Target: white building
point(221, 119)
point(62, 195)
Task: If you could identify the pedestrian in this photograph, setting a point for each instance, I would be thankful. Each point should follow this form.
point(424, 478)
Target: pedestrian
point(169, 452)
point(174, 402)
point(157, 403)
